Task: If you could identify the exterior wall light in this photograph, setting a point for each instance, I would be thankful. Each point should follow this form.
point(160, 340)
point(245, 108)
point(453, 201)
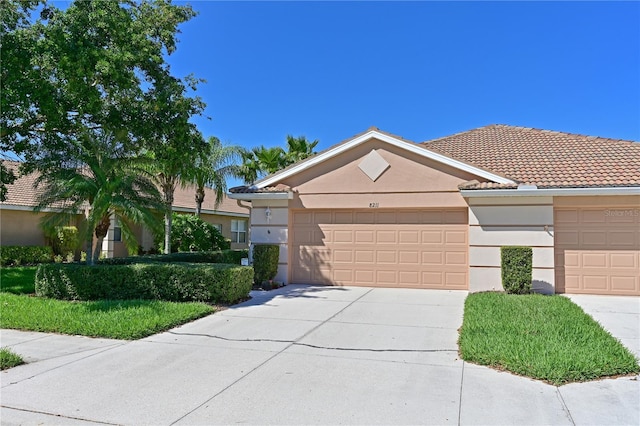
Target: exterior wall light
point(267, 213)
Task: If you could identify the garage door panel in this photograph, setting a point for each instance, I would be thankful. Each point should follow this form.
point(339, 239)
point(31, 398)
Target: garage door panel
point(386, 237)
point(364, 237)
point(455, 237)
point(597, 251)
point(397, 249)
point(364, 256)
point(625, 260)
point(409, 257)
point(624, 284)
point(408, 237)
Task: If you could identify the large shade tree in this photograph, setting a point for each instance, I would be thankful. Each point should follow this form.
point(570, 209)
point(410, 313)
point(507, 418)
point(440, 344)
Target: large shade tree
point(216, 164)
point(95, 65)
point(102, 180)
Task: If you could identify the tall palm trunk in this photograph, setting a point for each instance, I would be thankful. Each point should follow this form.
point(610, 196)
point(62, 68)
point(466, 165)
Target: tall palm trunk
point(199, 200)
point(101, 231)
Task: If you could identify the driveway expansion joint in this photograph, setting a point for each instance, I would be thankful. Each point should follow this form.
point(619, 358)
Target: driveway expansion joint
point(61, 416)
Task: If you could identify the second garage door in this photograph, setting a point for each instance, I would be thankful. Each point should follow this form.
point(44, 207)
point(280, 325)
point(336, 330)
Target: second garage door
point(598, 250)
point(386, 248)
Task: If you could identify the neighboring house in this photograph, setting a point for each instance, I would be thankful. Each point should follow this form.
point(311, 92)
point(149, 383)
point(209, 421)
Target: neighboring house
point(19, 225)
point(379, 210)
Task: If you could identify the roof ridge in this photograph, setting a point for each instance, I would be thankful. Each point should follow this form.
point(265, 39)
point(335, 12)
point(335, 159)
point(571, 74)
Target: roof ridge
point(535, 129)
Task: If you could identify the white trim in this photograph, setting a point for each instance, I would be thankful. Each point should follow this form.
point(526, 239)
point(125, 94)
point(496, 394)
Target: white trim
point(408, 146)
point(206, 211)
point(622, 190)
point(263, 196)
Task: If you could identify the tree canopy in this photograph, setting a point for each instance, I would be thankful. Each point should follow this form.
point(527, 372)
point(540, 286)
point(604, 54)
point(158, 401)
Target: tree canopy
point(95, 65)
point(261, 161)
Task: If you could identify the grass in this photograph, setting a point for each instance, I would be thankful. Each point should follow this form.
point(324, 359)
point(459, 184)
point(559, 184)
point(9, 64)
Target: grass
point(115, 319)
point(544, 337)
point(8, 359)
point(18, 280)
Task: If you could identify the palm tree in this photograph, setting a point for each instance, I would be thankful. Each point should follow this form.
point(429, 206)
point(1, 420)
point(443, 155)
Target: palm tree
point(299, 148)
point(104, 181)
point(212, 169)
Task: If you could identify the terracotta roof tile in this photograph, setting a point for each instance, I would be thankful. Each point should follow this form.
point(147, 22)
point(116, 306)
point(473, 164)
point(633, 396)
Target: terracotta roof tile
point(544, 158)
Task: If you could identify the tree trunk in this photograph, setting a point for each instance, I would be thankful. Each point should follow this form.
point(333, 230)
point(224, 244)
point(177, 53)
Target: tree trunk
point(89, 259)
point(199, 200)
point(168, 188)
point(101, 231)
point(167, 230)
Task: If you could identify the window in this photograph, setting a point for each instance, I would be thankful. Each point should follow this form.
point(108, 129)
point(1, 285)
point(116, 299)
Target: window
point(218, 227)
point(238, 231)
point(117, 233)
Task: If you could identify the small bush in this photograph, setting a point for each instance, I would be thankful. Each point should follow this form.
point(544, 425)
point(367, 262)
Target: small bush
point(516, 269)
point(25, 255)
point(178, 282)
point(265, 262)
point(65, 241)
point(190, 233)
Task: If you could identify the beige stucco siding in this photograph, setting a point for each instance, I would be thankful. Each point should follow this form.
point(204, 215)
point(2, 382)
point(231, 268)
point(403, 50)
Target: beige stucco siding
point(20, 227)
point(272, 230)
point(514, 221)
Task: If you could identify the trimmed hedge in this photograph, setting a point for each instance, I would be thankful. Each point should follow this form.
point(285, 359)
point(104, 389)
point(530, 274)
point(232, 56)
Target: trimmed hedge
point(224, 256)
point(265, 261)
point(25, 255)
point(517, 269)
point(178, 282)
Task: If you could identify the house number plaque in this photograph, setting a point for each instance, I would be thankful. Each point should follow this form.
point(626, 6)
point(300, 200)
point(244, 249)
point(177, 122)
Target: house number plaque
point(374, 205)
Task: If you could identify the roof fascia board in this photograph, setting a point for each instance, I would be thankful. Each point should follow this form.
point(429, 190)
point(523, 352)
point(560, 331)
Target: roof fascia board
point(262, 196)
point(207, 211)
point(30, 209)
point(569, 192)
point(414, 148)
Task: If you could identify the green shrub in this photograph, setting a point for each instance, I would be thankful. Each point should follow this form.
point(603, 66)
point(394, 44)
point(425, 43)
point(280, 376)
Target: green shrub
point(177, 282)
point(190, 233)
point(224, 256)
point(25, 255)
point(265, 261)
point(65, 241)
point(516, 269)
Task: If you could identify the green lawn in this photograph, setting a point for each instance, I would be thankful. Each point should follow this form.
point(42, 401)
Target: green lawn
point(8, 359)
point(129, 319)
point(543, 337)
point(18, 280)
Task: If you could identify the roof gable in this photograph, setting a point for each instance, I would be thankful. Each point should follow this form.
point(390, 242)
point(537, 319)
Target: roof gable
point(374, 133)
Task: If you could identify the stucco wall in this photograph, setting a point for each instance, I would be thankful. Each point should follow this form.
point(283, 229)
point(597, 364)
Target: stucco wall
point(273, 230)
point(510, 221)
point(20, 227)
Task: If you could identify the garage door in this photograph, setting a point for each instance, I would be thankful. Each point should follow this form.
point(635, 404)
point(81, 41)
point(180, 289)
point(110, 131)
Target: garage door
point(597, 250)
point(385, 248)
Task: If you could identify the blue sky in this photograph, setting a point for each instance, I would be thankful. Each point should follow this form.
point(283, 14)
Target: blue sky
point(329, 70)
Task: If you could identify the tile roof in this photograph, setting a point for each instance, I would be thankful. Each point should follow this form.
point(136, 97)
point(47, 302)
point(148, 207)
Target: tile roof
point(253, 190)
point(544, 158)
point(22, 193)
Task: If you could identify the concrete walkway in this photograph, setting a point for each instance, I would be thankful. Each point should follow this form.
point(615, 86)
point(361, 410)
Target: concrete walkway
point(298, 355)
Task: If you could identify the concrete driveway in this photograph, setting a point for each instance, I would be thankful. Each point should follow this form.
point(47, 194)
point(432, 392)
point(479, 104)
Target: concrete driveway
point(301, 354)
